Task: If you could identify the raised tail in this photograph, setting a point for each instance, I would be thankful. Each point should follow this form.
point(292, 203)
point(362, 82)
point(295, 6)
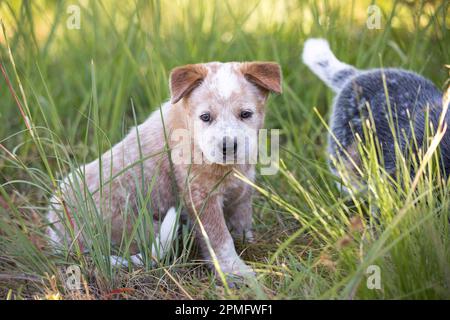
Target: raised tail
point(321, 60)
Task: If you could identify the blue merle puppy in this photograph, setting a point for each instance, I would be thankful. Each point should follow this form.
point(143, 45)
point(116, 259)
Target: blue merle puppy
point(409, 96)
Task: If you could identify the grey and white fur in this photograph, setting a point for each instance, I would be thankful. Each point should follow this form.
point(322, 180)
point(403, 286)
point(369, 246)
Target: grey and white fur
point(409, 95)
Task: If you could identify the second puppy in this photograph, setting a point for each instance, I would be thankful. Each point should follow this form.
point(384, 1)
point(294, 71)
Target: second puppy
point(393, 98)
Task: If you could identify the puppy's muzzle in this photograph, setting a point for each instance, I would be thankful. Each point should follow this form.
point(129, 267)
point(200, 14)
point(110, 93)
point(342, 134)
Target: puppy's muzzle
point(228, 146)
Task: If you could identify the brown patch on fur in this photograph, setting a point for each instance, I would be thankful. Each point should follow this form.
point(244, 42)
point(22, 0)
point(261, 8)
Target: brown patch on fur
point(356, 224)
point(266, 75)
point(353, 153)
point(185, 79)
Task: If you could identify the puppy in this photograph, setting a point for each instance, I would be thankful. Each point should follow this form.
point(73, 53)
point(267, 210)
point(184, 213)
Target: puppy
point(190, 148)
point(409, 96)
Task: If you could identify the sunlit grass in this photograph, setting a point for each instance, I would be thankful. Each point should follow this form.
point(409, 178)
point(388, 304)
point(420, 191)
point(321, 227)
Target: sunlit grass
point(79, 91)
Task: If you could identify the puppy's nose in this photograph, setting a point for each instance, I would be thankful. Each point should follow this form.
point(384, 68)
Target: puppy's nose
point(229, 145)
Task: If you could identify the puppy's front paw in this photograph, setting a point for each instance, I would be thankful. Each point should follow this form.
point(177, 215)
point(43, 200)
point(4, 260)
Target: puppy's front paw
point(237, 268)
point(246, 236)
point(238, 274)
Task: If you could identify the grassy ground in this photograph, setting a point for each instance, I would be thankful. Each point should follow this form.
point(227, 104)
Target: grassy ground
point(68, 94)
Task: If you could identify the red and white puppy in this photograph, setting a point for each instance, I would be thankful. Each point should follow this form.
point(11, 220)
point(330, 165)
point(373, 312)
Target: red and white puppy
point(211, 125)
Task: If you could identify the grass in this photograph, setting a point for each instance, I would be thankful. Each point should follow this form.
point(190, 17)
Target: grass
point(67, 95)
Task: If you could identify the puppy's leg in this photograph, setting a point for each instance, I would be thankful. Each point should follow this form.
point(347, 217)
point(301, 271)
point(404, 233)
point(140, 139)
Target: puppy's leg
point(214, 229)
point(239, 218)
point(167, 231)
point(163, 241)
point(118, 262)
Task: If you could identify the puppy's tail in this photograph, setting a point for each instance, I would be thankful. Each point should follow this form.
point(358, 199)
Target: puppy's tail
point(319, 58)
point(167, 230)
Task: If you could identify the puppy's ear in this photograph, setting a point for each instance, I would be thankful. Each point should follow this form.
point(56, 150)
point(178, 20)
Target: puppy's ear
point(185, 79)
point(266, 75)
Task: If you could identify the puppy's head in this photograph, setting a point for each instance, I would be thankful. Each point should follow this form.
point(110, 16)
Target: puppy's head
point(225, 105)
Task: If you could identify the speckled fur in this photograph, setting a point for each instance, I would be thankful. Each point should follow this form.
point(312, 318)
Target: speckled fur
point(208, 189)
point(409, 93)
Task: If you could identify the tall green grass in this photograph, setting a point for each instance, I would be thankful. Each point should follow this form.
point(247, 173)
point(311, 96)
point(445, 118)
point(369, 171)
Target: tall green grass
point(67, 95)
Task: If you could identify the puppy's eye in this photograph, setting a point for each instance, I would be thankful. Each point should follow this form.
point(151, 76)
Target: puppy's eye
point(206, 117)
point(246, 114)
